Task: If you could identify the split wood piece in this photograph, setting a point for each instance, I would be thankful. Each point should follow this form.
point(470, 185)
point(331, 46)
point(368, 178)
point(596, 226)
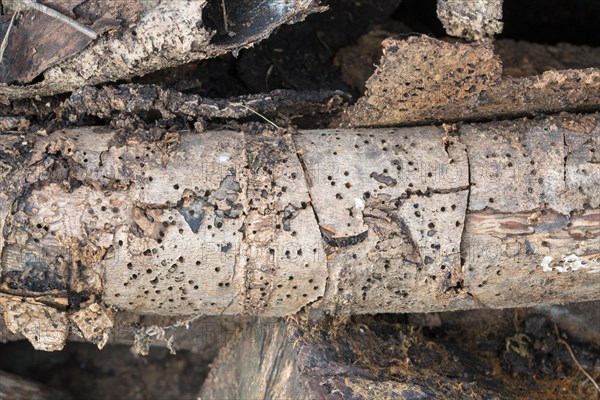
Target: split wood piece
point(166, 34)
point(503, 214)
point(16, 388)
point(422, 80)
point(472, 20)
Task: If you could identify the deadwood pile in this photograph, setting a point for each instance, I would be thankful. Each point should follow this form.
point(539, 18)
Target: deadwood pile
point(444, 174)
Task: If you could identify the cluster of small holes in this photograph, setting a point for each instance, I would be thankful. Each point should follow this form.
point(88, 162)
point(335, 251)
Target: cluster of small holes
point(516, 167)
point(168, 283)
point(400, 171)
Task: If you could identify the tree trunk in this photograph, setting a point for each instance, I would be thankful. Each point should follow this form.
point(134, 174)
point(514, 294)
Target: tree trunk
point(502, 214)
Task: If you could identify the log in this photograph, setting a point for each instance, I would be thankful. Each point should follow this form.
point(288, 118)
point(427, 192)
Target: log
point(502, 214)
point(384, 357)
point(443, 82)
point(160, 35)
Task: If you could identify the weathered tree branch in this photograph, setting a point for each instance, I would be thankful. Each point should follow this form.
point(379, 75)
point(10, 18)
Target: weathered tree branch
point(502, 214)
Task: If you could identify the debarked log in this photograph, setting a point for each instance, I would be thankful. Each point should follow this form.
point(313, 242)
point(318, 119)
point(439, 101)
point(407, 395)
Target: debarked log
point(502, 214)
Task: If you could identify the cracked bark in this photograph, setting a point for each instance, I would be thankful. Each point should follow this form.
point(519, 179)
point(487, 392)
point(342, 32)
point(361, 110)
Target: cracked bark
point(270, 223)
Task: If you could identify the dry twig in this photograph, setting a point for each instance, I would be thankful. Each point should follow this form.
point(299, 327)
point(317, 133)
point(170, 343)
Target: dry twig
point(564, 342)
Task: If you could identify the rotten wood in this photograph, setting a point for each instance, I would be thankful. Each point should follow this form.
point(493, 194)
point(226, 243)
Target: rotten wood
point(502, 214)
point(385, 358)
point(160, 35)
point(422, 80)
point(138, 100)
point(473, 20)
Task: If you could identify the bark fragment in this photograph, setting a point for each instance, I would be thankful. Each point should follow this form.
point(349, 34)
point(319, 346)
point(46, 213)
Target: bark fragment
point(202, 335)
point(45, 327)
point(95, 323)
point(473, 20)
point(166, 34)
point(422, 80)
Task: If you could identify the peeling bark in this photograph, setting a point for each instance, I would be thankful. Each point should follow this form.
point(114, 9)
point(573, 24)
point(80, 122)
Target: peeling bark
point(166, 34)
point(333, 221)
point(472, 20)
point(422, 80)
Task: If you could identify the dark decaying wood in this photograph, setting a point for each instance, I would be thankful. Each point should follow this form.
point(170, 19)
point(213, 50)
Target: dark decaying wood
point(385, 358)
point(137, 101)
point(502, 214)
point(16, 388)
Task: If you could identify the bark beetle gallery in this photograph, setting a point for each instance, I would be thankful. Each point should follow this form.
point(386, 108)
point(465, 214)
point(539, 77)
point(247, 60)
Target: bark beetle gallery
point(151, 181)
